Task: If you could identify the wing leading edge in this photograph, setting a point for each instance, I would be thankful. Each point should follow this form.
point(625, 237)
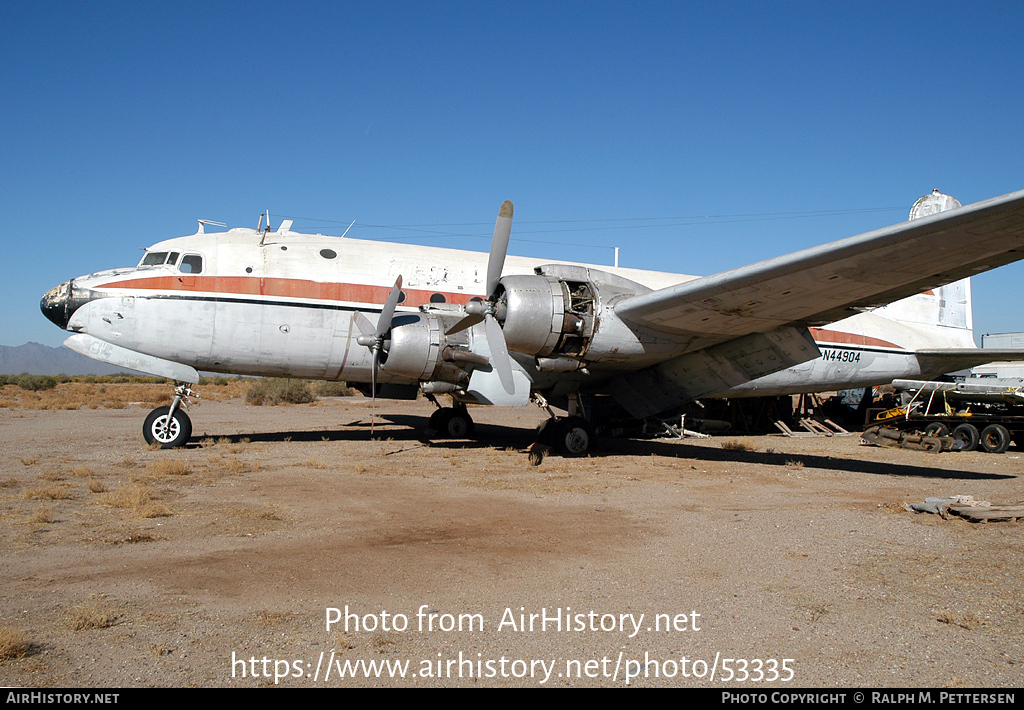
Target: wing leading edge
point(827, 283)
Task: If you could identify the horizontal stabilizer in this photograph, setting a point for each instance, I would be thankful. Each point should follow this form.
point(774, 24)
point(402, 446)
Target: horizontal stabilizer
point(939, 362)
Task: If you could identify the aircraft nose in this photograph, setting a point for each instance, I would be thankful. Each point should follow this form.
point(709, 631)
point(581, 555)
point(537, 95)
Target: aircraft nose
point(56, 303)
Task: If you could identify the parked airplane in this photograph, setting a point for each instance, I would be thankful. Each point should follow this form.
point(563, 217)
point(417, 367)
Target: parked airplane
point(507, 331)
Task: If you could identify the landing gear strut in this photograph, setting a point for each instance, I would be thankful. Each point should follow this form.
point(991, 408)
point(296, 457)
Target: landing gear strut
point(570, 436)
point(170, 427)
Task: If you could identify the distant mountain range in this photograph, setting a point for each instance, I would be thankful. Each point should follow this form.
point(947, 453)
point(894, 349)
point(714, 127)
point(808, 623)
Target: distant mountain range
point(36, 359)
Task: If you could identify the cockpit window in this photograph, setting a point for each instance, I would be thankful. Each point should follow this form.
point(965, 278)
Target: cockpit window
point(191, 264)
point(157, 258)
point(153, 258)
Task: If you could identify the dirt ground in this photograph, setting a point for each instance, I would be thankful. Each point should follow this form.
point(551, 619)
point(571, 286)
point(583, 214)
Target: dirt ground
point(790, 564)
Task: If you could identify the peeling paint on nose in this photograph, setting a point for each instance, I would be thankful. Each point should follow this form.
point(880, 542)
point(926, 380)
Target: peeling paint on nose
point(54, 304)
point(61, 302)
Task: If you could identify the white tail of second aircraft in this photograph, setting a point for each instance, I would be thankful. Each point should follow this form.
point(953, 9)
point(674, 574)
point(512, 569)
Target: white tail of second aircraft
point(948, 306)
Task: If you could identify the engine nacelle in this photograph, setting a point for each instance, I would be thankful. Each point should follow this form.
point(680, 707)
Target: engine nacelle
point(541, 315)
point(419, 349)
point(565, 318)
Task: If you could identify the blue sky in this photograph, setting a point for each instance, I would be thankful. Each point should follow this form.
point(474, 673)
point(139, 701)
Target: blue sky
point(608, 124)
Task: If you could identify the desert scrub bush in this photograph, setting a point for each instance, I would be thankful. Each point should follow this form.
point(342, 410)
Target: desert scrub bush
point(34, 383)
point(736, 446)
point(325, 388)
point(279, 390)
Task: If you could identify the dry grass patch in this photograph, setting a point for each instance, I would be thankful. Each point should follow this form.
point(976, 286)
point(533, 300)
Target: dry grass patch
point(967, 620)
point(12, 643)
point(10, 482)
point(138, 499)
point(30, 461)
point(96, 486)
point(92, 616)
point(262, 513)
point(82, 471)
point(52, 476)
point(48, 493)
point(43, 515)
point(735, 445)
point(169, 467)
point(269, 618)
point(75, 395)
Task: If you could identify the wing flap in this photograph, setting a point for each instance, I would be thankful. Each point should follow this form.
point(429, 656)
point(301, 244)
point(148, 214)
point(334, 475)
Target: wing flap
point(830, 282)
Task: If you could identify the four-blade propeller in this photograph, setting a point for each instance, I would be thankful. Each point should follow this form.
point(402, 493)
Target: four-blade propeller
point(485, 311)
point(373, 338)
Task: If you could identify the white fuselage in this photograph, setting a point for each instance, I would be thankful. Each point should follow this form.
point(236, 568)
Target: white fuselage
point(283, 304)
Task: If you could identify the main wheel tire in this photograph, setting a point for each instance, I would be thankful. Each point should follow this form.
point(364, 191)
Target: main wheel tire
point(573, 436)
point(936, 429)
point(968, 436)
point(452, 423)
point(167, 432)
point(546, 432)
point(995, 438)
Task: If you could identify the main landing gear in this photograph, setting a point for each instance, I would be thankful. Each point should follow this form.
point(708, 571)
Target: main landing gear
point(570, 436)
point(170, 427)
point(451, 423)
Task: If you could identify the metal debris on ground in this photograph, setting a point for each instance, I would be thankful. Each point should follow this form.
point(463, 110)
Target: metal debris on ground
point(977, 511)
point(886, 436)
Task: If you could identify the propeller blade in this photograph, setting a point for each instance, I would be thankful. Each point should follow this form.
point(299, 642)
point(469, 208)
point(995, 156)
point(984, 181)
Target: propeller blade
point(373, 388)
point(499, 247)
point(365, 327)
point(467, 322)
point(499, 353)
point(384, 322)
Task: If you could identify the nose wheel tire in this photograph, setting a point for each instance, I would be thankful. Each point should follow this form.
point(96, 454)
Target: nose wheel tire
point(167, 431)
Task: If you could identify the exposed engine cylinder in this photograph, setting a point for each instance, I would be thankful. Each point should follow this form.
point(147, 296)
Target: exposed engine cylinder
point(542, 315)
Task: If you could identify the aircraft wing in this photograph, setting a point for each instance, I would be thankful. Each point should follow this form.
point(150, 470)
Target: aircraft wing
point(827, 283)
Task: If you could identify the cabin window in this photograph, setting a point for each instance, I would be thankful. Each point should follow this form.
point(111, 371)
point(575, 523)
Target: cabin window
point(437, 298)
point(328, 253)
point(191, 264)
point(173, 258)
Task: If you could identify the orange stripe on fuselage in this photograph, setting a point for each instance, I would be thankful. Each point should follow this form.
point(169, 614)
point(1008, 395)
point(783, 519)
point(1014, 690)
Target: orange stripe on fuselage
point(285, 288)
point(834, 336)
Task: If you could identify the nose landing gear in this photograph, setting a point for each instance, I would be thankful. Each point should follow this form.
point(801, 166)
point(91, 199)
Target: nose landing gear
point(170, 427)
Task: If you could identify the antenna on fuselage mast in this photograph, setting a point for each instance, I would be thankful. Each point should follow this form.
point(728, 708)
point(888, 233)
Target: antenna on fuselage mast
point(346, 230)
point(260, 228)
point(204, 222)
